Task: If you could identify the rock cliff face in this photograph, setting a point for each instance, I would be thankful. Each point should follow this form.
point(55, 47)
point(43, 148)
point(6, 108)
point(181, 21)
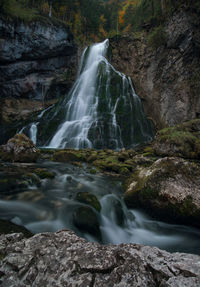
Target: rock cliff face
point(31, 56)
point(166, 78)
point(63, 259)
point(37, 64)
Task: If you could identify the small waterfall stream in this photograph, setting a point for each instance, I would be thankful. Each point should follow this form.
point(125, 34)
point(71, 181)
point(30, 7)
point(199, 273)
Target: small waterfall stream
point(51, 206)
point(102, 110)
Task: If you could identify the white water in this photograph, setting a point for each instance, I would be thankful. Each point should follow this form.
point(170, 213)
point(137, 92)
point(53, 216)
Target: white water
point(51, 206)
point(33, 132)
point(81, 109)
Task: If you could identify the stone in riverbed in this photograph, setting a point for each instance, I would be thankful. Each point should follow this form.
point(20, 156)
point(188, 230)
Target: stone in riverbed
point(86, 219)
point(63, 259)
point(88, 198)
point(169, 188)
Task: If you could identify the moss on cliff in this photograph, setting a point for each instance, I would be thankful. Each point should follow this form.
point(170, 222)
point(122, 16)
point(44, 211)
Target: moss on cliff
point(182, 140)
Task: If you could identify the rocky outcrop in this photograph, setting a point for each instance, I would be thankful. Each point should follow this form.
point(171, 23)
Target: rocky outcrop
point(169, 188)
point(182, 140)
point(32, 56)
point(20, 149)
point(166, 78)
point(37, 65)
point(63, 259)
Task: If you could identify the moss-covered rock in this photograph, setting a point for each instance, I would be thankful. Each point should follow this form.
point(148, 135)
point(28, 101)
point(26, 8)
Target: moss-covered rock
point(169, 188)
point(182, 140)
point(68, 156)
point(88, 198)
point(19, 149)
point(44, 173)
point(86, 220)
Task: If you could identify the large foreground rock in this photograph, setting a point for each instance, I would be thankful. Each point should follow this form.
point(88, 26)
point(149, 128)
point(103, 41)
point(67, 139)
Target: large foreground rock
point(63, 259)
point(169, 188)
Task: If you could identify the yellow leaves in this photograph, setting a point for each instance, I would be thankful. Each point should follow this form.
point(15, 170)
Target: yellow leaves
point(121, 16)
point(45, 8)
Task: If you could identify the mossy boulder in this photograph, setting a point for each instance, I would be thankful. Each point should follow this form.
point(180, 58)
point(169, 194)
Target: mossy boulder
point(182, 140)
point(86, 220)
point(19, 149)
point(88, 198)
point(109, 162)
point(169, 188)
point(68, 156)
point(44, 173)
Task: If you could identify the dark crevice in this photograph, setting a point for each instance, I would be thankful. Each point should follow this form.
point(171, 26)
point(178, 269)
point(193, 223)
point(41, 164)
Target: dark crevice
point(96, 270)
point(93, 280)
point(158, 277)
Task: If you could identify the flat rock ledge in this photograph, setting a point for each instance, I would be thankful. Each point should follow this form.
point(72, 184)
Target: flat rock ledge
point(63, 259)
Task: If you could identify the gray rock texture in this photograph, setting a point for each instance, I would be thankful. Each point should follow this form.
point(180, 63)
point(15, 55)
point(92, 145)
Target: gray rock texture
point(32, 56)
point(170, 188)
point(63, 259)
point(20, 149)
point(166, 78)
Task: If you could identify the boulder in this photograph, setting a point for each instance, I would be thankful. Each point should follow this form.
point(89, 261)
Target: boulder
point(169, 189)
point(86, 219)
point(88, 198)
point(63, 259)
point(19, 149)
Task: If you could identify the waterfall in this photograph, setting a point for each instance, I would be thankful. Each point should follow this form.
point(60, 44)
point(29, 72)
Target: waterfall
point(102, 109)
point(33, 132)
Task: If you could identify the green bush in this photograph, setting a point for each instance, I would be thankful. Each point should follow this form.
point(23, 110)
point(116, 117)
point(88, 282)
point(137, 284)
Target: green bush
point(157, 37)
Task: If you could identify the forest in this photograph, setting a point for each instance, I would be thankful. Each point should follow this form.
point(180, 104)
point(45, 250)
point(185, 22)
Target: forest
point(94, 20)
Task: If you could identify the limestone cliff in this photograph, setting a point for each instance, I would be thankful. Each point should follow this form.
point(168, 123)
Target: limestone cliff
point(37, 63)
point(166, 78)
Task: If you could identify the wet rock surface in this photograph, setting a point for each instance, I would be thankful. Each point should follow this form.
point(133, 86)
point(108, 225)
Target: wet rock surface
point(169, 188)
point(63, 259)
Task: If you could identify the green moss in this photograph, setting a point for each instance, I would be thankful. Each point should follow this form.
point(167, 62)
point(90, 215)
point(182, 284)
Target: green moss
point(67, 156)
point(157, 37)
point(16, 10)
point(90, 199)
point(181, 140)
point(44, 173)
point(178, 137)
point(124, 171)
point(93, 171)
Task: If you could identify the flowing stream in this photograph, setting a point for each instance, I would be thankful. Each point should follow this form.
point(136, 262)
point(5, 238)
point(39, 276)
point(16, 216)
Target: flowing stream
point(53, 205)
point(102, 110)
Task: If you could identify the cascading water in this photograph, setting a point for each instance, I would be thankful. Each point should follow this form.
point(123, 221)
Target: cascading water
point(101, 110)
point(54, 204)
